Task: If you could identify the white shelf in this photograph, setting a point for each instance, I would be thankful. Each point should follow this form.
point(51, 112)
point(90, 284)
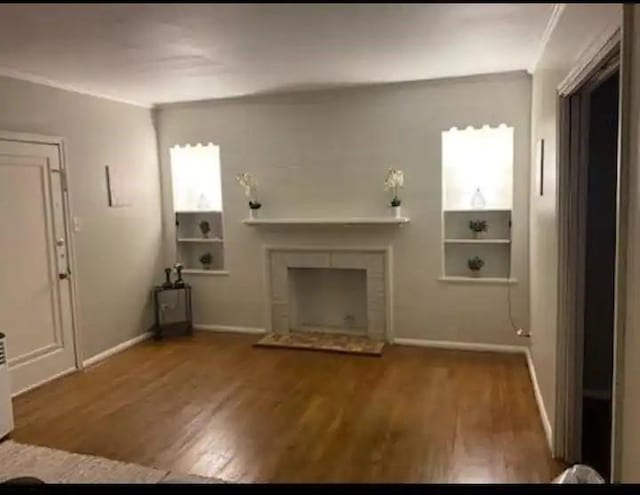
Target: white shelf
point(327, 221)
point(195, 212)
point(477, 241)
point(201, 271)
point(199, 239)
point(479, 280)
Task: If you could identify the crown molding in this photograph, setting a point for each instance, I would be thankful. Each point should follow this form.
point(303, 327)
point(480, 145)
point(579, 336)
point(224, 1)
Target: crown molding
point(25, 76)
point(554, 18)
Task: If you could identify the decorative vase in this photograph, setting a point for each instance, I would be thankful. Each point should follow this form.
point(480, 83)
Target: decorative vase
point(253, 213)
point(477, 200)
point(203, 202)
point(396, 211)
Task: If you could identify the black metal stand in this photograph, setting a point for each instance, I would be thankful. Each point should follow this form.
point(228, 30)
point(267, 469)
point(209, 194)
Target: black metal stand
point(175, 328)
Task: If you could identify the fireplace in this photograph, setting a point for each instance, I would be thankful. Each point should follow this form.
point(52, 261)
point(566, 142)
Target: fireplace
point(344, 290)
point(328, 299)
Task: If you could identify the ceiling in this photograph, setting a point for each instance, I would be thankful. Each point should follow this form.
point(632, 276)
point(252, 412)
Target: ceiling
point(146, 53)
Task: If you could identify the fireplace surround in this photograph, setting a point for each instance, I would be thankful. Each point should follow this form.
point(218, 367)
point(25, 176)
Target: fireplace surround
point(375, 261)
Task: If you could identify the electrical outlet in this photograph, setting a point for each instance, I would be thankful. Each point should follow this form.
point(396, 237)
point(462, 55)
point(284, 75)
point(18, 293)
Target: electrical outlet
point(523, 333)
point(349, 320)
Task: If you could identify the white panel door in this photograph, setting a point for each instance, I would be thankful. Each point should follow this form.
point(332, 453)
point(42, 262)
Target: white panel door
point(35, 290)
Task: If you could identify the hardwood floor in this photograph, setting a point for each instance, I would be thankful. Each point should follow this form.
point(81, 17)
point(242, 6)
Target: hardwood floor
point(213, 405)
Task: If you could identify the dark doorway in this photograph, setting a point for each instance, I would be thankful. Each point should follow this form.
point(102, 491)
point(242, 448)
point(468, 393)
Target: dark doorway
point(599, 272)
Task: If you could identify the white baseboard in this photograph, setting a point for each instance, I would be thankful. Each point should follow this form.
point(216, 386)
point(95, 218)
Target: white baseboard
point(462, 346)
point(47, 380)
point(228, 328)
point(470, 346)
point(115, 350)
point(544, 417)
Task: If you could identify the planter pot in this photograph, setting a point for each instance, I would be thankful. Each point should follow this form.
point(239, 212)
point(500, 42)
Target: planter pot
point(478, 235)
point(475, 273)
point(253, 213)
point(205, 236)
point(396, 211)
point(206, 267)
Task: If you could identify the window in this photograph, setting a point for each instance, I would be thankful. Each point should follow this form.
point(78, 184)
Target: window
point(477, 160)
point(195, 176)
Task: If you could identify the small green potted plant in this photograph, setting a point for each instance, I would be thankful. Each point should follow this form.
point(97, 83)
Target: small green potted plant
point(206, 259)
point(205, 228)
point(475, 265)
point(478, 227)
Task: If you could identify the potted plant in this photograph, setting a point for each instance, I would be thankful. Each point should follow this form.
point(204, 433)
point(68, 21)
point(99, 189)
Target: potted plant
point(393, 183)
point(477, 227)
point(475, 265)
point(205, 228)
point(206, 259)
point(250, 186)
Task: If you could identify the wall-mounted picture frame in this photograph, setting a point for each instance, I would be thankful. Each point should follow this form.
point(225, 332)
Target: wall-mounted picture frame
point(118, 194)
point(540, 165)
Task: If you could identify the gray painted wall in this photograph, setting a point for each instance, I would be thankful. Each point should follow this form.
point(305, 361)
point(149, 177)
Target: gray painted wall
point(326, 154)
point(118, 250)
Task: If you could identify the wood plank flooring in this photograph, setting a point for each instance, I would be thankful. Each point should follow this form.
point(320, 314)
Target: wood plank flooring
point(213, 405)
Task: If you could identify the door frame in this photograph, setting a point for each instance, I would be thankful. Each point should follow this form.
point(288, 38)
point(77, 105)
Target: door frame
point(22, 137)
point(570, 335)
point(574, 116)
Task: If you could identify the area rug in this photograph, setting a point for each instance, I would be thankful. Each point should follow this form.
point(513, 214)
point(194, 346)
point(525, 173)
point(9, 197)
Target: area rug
point(321, 341)
point(58, 466)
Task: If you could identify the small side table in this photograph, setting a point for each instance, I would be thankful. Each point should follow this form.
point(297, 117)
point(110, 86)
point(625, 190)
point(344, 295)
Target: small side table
point(184, 327)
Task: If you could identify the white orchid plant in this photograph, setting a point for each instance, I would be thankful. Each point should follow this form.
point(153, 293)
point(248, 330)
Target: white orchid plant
point(247, 181)
point(393, 183)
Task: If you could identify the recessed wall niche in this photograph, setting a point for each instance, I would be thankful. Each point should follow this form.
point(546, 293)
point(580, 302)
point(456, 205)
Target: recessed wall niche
point(197, 205)
point(477, 200)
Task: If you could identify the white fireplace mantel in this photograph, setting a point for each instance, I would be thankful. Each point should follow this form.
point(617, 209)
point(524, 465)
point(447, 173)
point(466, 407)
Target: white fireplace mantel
point(326, 221)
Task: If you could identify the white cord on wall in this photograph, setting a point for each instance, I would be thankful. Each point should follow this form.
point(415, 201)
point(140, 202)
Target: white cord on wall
point(520, 332)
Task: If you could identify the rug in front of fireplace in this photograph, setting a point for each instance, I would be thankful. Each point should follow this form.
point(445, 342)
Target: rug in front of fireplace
point(323, 341)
